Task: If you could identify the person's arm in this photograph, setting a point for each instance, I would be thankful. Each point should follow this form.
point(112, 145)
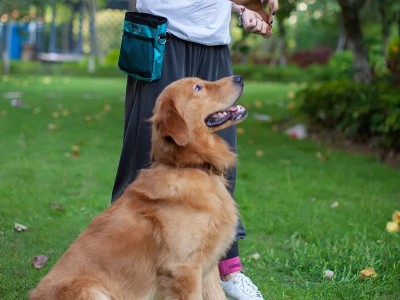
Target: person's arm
point(253, 17)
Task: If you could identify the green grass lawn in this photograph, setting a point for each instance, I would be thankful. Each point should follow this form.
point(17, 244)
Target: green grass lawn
point(58, 157)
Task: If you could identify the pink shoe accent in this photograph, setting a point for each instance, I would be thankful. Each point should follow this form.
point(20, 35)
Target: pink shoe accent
point(229, 266)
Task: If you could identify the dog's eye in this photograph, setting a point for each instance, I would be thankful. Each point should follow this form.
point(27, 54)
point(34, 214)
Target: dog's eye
point(197, 88)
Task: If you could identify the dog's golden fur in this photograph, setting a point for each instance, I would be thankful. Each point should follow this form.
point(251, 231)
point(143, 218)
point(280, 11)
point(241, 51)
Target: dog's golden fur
point(165, 235)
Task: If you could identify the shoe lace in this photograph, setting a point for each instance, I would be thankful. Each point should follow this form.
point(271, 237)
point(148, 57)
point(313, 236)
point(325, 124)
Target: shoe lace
point(247, 285)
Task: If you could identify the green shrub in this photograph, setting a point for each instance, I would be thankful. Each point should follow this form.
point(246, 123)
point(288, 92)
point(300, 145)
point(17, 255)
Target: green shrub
point(340, 66)
point(361, 112)
point(393, 57)
point(111, 59)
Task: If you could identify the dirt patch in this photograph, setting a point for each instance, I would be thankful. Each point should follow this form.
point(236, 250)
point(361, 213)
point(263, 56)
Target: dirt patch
point(337, 141)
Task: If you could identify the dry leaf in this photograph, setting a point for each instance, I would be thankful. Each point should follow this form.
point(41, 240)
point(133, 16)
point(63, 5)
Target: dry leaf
point(65, 112)
point(392, 227)
point(258, 104)
point(368, 273)
point(291, 105)
point(107, 107)
point(37, 110)
point(46, 80)
point(52, 127)
point(39, 261)
point(57, 206)
point(320, 156)
point(20, 227)
point(240, 131)
point(335, 204)
point(259, 153)
point(396, 217)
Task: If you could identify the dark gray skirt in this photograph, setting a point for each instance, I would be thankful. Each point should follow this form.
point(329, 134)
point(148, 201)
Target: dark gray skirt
point(182, 59)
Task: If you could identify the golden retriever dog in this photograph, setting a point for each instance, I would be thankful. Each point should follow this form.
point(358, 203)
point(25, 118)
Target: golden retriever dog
point(163, 238)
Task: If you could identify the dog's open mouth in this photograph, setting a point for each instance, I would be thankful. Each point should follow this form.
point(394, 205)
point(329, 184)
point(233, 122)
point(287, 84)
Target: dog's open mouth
point(233, 113)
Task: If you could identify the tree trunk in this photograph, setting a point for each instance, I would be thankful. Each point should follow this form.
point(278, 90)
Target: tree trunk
point(53, 33)
point(385, 24)
point(92, 36)
point(352, 26)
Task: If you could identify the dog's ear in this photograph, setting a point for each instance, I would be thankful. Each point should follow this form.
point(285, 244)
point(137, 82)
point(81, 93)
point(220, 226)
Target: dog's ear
point(172, 125)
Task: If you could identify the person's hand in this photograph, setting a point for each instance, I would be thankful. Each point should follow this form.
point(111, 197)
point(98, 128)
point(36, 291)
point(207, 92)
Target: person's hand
point(255, 19)
point(253, 22)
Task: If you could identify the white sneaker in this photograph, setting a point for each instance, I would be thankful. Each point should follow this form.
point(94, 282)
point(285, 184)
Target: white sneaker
point(241, 287)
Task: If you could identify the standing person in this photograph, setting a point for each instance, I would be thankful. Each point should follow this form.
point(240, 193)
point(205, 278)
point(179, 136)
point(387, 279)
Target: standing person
point(198, 48)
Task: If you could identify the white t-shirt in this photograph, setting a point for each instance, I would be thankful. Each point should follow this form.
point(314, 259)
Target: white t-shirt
point(201, 21)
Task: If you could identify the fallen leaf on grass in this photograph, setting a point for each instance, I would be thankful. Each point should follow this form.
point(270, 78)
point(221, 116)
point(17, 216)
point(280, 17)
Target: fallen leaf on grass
point(396, 217)
point(259, 153)
point(57, 206)
point(368, 273)
point(52, 127)
point(88, 118)
point(20, 227)
point(290, 95)
point(240, 130)
point(392, 227)
point(37, 110)
point(39, 261)
point(107, 107)
point(46, 80)
point(320, 156)
point(258, 104)
point(65, 112)
point(335, 204)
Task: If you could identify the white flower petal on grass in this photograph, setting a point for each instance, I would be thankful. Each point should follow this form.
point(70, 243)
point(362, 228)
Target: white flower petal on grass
point(20, 227)
point(39, 261)
point(329, 274)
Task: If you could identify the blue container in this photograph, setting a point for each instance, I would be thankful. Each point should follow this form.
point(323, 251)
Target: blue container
point(16, 36)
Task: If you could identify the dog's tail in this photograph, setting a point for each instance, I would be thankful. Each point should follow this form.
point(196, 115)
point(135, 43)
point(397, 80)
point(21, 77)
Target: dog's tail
point(80, 288)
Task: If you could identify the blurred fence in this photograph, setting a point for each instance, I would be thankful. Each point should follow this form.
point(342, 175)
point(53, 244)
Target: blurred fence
point(27, 40)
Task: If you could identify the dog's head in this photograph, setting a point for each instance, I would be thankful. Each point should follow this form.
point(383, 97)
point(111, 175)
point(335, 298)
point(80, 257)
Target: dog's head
point(188, 113)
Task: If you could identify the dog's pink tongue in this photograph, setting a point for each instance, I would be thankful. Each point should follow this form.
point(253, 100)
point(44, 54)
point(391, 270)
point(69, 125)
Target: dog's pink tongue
point(220, 114)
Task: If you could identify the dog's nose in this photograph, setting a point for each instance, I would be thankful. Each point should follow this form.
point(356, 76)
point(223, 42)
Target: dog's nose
point(237, 79)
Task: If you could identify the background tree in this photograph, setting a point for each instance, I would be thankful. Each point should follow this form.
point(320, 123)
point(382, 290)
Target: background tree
point(350, 10)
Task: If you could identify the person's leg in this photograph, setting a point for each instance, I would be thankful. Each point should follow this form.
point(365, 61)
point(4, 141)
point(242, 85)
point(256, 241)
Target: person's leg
point(216, 64)
point(140, 99)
